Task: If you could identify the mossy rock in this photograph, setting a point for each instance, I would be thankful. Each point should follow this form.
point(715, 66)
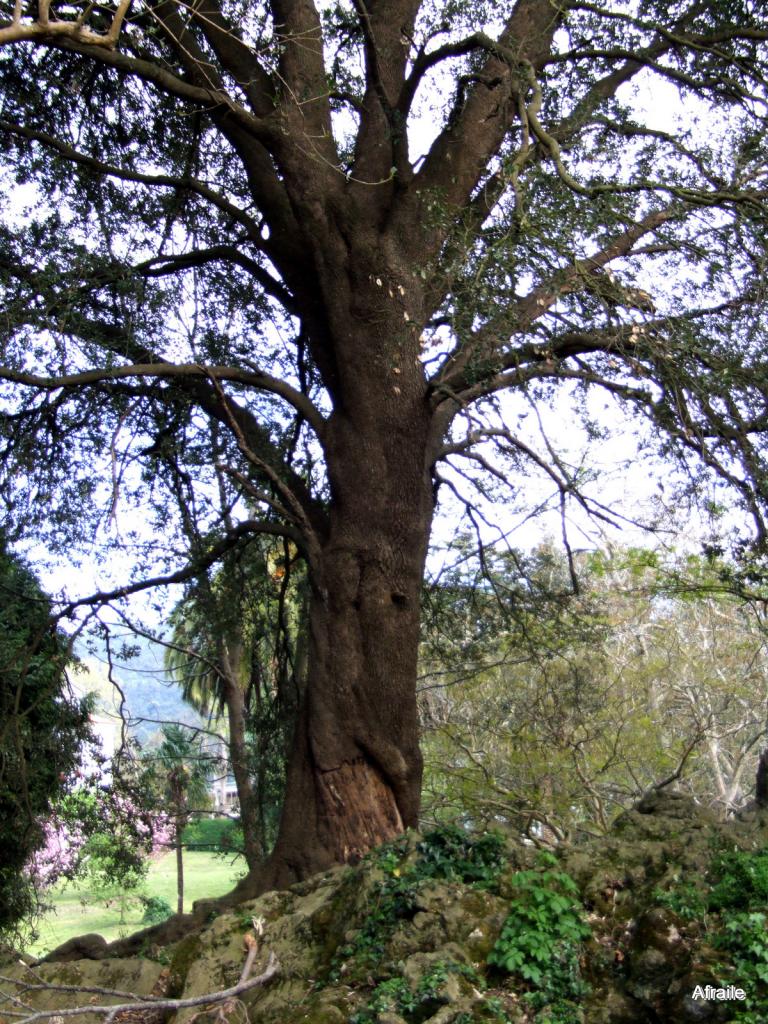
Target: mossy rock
point(135, 975)
point(328, 1007)
point(429, 988)
point(303, 927)
point(184, 954)
point(614, 1006)
point(642, 961)
point(664, 816)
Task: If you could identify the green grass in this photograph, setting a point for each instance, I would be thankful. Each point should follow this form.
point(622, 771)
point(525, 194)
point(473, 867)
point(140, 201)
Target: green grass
point(78, 909)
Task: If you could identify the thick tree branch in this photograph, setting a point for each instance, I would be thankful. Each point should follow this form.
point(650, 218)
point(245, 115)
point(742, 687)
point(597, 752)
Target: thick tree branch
point(44, 28)
point(476, 130)
point(174, 28)
point(191, 570)
point(160, 370)
point(68, 152)
point(451, 377)
point(304, 86)
point(268, 189)
point(425, 61)
point(161, 266)
point(236, 57)
point(381, 151)
point(164, 80)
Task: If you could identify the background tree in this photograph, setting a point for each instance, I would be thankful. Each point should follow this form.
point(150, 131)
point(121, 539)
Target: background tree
point(238, 648)
point(116, 836)
point(179, 771)
point(42, 729)
point(295, 257)
point(567, 708)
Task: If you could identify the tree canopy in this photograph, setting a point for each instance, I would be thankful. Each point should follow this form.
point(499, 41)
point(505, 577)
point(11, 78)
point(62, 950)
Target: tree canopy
point(281, 263)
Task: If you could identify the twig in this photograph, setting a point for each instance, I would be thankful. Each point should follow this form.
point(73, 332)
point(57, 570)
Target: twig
point(252, 944)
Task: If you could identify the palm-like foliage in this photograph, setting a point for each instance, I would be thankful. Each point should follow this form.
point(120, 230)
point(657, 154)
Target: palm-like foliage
point(182, 769)
point(236, 652)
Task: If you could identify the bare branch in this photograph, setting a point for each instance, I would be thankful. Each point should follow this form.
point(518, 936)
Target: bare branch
point(45, 29)
point(190, 571)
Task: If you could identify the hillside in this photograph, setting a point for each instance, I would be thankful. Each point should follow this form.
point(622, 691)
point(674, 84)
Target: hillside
point(448, 929)
point(151, 697)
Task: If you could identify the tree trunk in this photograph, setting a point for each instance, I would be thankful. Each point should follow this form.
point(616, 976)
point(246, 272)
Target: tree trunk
point(761, 782)
point(179, 829)
point(253, 837)
point(354, 774)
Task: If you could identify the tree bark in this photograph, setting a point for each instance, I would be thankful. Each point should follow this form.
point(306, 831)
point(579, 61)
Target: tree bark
point(761, 782)
point(354, 774)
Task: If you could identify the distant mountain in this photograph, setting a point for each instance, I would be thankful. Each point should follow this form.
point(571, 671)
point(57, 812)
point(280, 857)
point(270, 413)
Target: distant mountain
point(151, 698)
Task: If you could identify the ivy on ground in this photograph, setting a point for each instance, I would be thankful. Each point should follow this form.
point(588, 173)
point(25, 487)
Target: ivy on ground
point(447, 853)
point(731, 902)
point(540, 942)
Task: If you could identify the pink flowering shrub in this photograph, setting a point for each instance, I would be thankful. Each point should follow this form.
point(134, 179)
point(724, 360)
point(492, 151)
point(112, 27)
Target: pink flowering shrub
point(103, 830)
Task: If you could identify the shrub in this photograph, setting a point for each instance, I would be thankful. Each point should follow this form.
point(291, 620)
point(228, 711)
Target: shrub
point(541, 939)
point(218, 834)
point(451, 853)
point(739, 897)
point(156, 909)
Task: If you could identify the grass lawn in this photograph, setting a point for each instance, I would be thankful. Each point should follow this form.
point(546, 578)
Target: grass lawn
point(77, 909)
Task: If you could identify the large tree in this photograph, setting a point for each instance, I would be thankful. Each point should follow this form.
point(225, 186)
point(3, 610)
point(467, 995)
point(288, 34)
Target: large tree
point(290, 257)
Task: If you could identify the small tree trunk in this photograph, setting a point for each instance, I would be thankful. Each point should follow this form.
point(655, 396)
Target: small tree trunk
point(761, 783)
point(179, 829)
point(238, 751)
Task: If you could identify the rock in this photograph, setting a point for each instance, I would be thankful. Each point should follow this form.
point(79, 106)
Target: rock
point(668, 804)
point(432, 937)
point(323, 1008)
point(142, 977)
point(612, 1006)
point(657, 957)
point(9, 956)
point(660, 929)
point(83, 947)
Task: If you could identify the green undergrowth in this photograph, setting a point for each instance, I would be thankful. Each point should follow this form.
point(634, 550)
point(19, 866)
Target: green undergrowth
point(685, 899)
point(420, 1003)
point(444, 854)
point(731, 904)
point(537, 953)
point(738, 901)
point(541, 942)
